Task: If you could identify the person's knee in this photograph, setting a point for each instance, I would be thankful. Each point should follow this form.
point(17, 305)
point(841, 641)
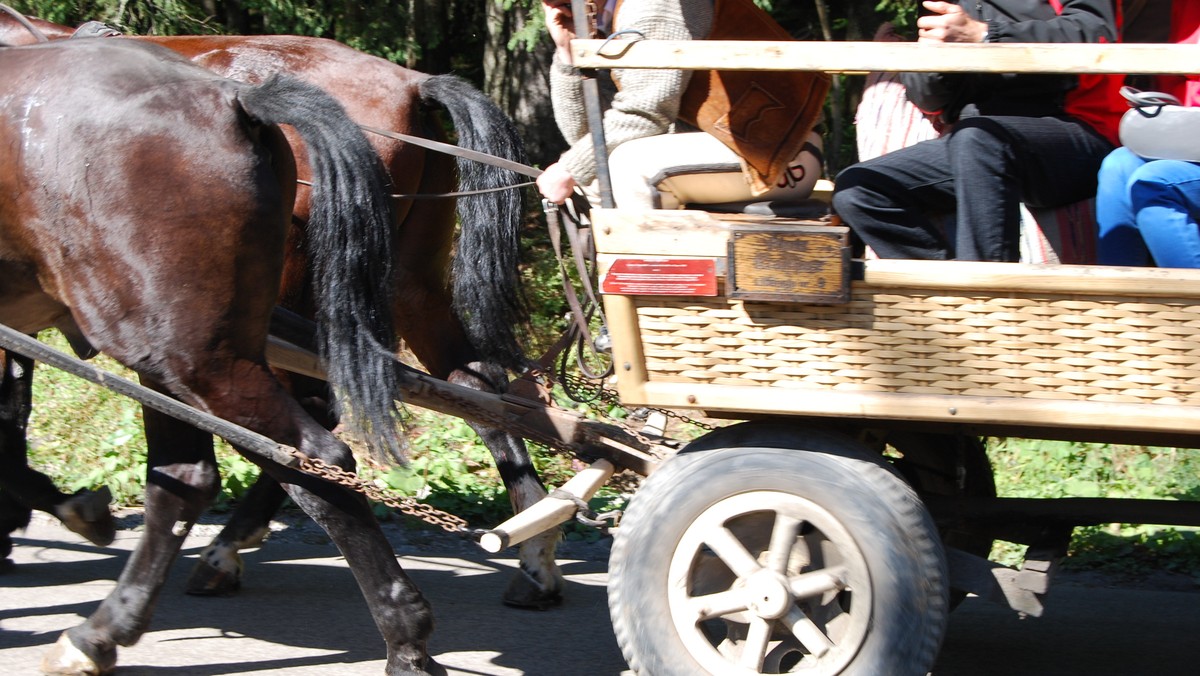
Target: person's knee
point(848, 191)
point(977, 134)
point(859, 185)
point(1165, 183)
point(1120, 162)
point(1167, 174)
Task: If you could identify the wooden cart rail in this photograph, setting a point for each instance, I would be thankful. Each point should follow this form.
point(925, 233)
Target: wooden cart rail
point(859, 57)
point(1081, 352)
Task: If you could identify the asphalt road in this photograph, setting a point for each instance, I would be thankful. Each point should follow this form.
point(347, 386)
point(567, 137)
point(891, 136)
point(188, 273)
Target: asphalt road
point(301, 614)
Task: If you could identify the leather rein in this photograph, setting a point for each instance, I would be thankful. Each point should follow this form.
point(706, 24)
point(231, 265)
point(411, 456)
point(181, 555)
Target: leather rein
point(21, 19)
point(457, 151)
point(465, 153)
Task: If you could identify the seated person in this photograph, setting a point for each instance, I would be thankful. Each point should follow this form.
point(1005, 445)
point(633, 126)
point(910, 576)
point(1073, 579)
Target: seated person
point(1147, 209)
point(657, 160)
point(1014, 138)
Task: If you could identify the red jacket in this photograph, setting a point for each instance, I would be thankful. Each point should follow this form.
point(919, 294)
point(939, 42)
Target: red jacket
point(1094, 99)
point(1185, 29)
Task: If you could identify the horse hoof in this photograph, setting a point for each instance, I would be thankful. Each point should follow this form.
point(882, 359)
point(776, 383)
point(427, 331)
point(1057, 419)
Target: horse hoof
point(64, 659)
point(209, 580)
point(7, 566)
point(87, 514)
point(526, 593)
point(434, 669)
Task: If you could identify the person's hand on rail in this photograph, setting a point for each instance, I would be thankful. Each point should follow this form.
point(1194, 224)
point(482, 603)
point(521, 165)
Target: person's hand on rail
point(560, 24)
point(949, 23)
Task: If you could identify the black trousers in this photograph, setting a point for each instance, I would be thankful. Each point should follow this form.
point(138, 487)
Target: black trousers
point(981, 171)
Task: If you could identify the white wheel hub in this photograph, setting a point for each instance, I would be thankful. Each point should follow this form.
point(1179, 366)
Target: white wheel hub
point(767, 594)
point(769, 582)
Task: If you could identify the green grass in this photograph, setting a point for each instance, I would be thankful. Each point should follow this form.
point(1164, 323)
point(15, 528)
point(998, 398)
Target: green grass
point(1027, 468)
point(84, 436)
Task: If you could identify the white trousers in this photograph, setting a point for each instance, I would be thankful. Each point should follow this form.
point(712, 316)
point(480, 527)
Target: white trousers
point(670, 171)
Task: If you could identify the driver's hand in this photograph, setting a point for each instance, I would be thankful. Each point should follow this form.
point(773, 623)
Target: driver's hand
point(560, 23)
point(949, 23)
point(556, 183)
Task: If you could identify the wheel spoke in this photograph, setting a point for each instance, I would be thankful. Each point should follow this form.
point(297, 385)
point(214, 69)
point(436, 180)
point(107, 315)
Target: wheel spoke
point(754, 648)
point(731, 552)
point(783, 540)
point(807, 632)
point(807, 585)
point(719, 604)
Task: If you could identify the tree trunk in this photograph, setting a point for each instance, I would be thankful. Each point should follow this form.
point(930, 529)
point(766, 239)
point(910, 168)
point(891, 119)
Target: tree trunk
point(518, 80)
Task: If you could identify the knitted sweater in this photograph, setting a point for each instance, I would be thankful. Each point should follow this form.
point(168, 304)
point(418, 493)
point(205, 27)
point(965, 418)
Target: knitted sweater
point(647, 102)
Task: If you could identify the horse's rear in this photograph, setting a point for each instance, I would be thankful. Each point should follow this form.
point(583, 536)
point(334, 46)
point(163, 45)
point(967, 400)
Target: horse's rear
point(380, 94)
point(143, 206)
point(462, 331)
point(93, 217)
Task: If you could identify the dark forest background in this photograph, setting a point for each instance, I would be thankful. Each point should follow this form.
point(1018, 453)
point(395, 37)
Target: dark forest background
point(500, 45)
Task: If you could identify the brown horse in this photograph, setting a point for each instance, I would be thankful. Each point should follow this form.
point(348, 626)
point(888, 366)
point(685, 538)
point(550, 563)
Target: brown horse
point(463, 334)
point(144, 207)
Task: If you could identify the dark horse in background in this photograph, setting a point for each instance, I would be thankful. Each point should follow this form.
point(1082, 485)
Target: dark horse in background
point(144, 207)
point(463, 333)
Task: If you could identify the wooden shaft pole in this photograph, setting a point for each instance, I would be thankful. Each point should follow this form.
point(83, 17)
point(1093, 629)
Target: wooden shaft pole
point(550, 511)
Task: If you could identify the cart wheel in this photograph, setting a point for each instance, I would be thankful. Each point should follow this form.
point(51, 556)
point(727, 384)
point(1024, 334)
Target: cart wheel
point(948, 465)
point(752, 559)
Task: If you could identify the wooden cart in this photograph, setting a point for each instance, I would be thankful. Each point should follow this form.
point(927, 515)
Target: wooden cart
point(788, 542)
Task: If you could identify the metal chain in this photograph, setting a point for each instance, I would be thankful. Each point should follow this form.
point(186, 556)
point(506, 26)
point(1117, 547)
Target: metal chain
point(573, 385)
point(334, 474)
point(449, 522)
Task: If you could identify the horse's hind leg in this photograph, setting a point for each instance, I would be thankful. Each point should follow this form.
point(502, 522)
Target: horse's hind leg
point(218, 571)
point(538, 583)
point(23, 489)
point(181, 481)
point(436, 337)
point(400, 611)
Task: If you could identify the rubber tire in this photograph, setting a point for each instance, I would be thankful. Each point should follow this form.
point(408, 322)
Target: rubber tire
point(931, 463)
point(891, 528)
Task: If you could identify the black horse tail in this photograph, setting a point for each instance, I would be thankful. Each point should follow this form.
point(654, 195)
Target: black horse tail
point(350, 244)
point(486, 281)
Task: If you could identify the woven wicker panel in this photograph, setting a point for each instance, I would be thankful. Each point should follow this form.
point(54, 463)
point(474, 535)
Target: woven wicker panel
point(1051, 347)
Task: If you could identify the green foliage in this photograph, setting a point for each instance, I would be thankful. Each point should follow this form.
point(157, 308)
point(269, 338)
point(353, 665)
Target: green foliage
point(414, 32)
point(532, 31)
point(902, 13)
point(1135, 550)
point(1027, 468)
point(150, 17)
point(85, 436)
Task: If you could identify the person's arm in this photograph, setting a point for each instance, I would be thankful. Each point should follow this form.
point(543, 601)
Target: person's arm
point(647, 102)
point(943, 94)
point(1080, 21)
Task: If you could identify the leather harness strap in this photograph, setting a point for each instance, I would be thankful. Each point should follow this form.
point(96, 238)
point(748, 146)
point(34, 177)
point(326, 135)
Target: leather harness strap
point(451, 149)
point(37, 34)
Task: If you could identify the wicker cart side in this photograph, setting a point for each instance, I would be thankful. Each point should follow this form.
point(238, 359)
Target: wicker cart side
point(969, 343)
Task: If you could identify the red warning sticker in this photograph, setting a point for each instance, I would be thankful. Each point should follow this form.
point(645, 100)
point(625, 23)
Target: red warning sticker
point(661, 277)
